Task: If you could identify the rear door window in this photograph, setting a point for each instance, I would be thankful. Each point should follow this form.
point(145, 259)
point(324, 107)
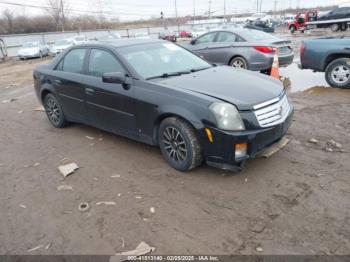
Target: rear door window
point(103, 62)
point(73, 62)
point(207, 38)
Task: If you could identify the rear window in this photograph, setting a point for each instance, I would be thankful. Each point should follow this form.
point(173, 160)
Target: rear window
point(255, 35)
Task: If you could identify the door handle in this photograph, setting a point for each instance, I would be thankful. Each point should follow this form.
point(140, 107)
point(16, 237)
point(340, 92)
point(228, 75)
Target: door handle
point(89, 91)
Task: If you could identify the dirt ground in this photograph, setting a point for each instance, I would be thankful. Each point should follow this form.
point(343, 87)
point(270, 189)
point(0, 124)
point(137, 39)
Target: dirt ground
point(296, 202)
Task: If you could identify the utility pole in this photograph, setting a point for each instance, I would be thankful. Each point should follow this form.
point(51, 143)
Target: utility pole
point(276, 8)
point(176, 9)
point(194, 11)
point(261, 2)
point(209, 11)
point(225, 11)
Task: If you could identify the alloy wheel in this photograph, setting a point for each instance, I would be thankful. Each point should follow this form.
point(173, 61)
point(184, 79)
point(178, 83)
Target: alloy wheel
point(174, 144)
point(340, 74)
point(53, 111)
point(238, 64)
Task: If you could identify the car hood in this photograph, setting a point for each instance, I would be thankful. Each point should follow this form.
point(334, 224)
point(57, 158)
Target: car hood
point(240, 87)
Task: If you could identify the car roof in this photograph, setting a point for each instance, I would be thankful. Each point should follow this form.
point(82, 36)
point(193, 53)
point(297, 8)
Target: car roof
point(117, 43)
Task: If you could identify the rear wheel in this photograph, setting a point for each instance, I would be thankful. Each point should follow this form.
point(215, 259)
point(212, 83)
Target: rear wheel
point(54, 111)
point(335, 27)
point(40, 54)
point(239, 62)
point(179, 144)
point(344, 27)
point(338, 73)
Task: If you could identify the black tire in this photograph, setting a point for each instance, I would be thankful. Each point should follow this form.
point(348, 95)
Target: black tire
point(179, 144)
point(335, 27)
point(239, 62)
point(54, 111)
point(338, 73)
point(293, 29)
point(344, 27)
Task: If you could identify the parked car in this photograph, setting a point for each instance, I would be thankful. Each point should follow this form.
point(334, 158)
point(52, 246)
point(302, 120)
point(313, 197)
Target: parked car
point(244, 48)
point(33, 49)
point(62, 45)
point(111, 36)
point(159, 93)
point(185, 34)
point(167, 35)
point(330, 55)
point(338, 13)
point(259, 25)
point(80, 39)
point(198, 32)
point(142, 35)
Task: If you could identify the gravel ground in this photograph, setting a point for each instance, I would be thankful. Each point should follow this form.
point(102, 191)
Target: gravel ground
point(295, 202)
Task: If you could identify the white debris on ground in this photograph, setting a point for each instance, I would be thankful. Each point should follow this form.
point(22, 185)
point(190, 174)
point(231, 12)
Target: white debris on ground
point(68, 169)
point(107, 203)
point(142, 249)
point(64, 188)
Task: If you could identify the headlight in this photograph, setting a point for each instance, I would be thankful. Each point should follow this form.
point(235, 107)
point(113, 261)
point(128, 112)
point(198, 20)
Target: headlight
point(227, 116)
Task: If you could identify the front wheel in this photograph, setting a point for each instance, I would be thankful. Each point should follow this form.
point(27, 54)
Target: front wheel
point(338, 73)
point(179, 144)
point(54, 111)
point(293, 29)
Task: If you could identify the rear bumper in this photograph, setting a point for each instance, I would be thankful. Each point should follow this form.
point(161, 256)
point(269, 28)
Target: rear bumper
point(266, 64)
point(221, 153)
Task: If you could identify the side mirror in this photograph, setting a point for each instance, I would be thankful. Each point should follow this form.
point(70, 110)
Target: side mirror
point(193, 41)
point(114, 78)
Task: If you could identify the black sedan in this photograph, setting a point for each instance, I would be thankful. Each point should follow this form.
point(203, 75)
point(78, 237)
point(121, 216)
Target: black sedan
point(161, 94)
point(259, 25)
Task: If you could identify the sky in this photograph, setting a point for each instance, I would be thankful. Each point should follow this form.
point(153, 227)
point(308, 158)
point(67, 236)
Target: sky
point(144, 9)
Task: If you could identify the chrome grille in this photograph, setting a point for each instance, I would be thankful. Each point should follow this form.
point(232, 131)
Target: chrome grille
point(274, 113)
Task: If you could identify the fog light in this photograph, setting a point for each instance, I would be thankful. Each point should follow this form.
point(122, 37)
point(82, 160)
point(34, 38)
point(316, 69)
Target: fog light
point(241, 150)
point(209, 135)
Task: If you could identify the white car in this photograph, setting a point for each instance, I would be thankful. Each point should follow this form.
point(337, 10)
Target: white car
point(80, 39)
point(142, 36)
point(62, 45)
point(33, 49)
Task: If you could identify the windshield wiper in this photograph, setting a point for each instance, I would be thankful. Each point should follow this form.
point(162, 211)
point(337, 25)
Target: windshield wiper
point(166, 75)
point(199, 69)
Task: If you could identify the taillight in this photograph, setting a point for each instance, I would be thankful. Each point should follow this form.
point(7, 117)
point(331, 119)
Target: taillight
point(302, 49)
point(265, 49)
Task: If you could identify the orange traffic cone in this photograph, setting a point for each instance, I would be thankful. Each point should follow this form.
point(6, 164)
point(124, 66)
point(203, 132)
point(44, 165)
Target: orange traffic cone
point(275, 67)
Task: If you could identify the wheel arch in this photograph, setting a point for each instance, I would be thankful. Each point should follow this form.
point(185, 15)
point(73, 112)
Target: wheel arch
point(331, 57)
point(196, 125)
point(45, 91)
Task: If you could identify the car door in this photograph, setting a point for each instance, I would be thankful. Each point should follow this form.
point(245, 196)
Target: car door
point(224, 46)
point(67, 81)
point(109, 106)
point(200, 46)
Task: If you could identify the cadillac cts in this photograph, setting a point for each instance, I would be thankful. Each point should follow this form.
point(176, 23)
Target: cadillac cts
point(158, 93)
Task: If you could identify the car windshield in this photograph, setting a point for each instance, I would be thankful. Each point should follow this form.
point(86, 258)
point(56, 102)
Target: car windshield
point(255, 35)
point(64, 42)
point(162, 60)
point(32, 44)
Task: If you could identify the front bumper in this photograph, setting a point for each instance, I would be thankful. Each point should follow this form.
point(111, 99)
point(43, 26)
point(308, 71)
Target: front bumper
point(221, 153)
point(23, 56)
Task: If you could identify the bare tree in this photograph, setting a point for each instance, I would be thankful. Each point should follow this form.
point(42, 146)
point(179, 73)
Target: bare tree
point(58, 11)
point(8, 17)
